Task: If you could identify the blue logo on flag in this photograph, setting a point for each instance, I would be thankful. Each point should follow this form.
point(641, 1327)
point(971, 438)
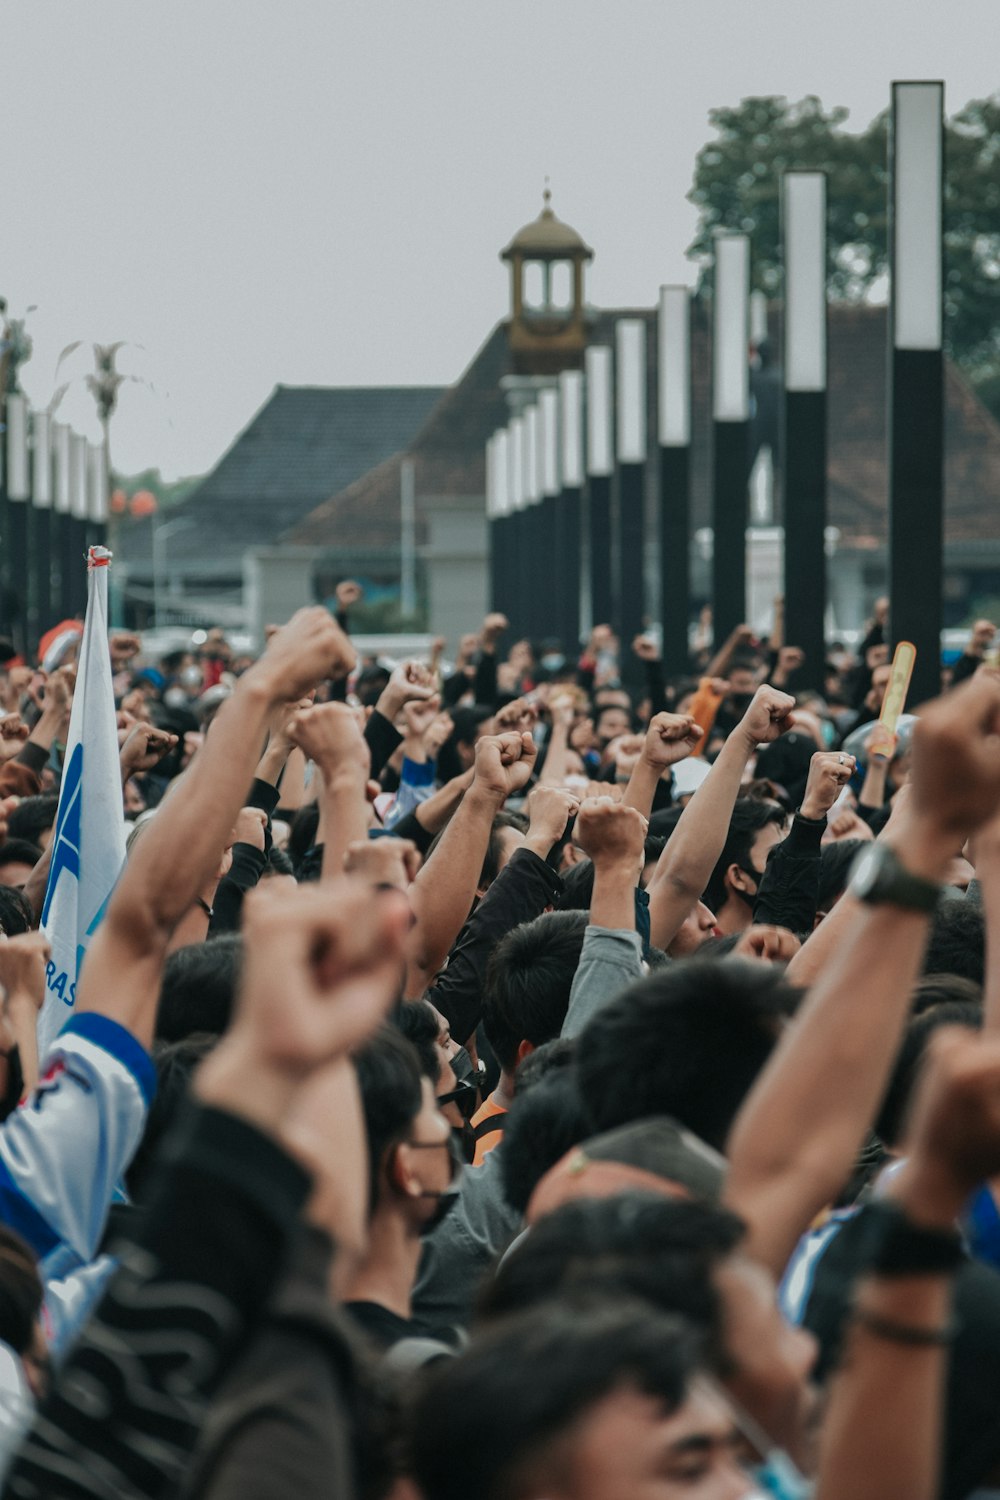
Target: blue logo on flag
point(66, 850)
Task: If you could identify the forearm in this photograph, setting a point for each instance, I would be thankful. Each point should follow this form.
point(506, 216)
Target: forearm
point(343, 815)
point(523, 889)
point(642, 784)
point(788, 893)
point(445, 888)
point(381, 733)
point(553, 772)
point(988, 876)
point(873, 790)
point(22, 1015)
point(689, 858)
point(799, 1130)
point(192, 825)
point(293, 793)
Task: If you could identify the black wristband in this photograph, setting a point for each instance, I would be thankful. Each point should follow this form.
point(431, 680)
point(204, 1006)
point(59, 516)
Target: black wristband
point(208, 910)
point(902, 1248)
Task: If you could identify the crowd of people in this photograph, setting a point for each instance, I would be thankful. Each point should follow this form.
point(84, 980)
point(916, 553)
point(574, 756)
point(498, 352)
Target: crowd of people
point(513, 1075)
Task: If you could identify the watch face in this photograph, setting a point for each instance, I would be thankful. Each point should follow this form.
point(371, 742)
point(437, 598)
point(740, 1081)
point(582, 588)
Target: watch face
point(865, 871)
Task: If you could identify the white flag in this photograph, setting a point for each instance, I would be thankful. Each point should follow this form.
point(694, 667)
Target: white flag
point(88, 849)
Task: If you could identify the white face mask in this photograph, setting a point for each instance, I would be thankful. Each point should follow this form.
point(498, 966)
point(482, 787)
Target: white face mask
point(778, 1476)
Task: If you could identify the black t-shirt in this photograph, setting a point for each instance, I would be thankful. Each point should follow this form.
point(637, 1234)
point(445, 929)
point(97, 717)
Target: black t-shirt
point(386, 1328)
point(972, 1415)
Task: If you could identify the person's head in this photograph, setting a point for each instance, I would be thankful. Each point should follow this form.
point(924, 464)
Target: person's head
point(409, 1140)
point(890, 1127)
point(611, 720)
point(34, 819)
point(543, 1123)
point(528, 981)
point(468, 723)
point(957, 942)
point(880, 681)
point(16, 915)
point(754, 829)
point(175, 1063)
point(835, 861)
point(198, 988)
point(18, 858)
point(303, 834)
point(944, 989)
point(698, 926)
point(506, 836)
point(681, 1256)
point(576, 1401)
point(688, 1041)
point(133, 798)
point(742, 679)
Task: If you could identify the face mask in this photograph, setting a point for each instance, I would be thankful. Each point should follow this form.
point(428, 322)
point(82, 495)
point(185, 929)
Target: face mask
point(463, 1069)
point(553, 661)
point(447, 1199)
point(778, 1476)
point(741, 701)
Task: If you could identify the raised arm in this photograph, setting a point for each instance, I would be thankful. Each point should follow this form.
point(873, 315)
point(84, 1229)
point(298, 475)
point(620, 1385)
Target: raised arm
point(883, 1427)
point(330, 736)
point(179, 851)
point(670, 738)
point(798, 1132)
point(443, 892)
point(689, 858)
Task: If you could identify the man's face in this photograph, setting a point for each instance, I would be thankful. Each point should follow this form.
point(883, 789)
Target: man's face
point(698, 926)
point(771, 1361)
point(628, 1446)
point(613, 722)
point(15, 873)
point(742, 882)
point(742, 682)
point(880, 681)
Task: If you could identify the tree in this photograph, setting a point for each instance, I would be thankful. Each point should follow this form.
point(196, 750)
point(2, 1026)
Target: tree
point(737, 183)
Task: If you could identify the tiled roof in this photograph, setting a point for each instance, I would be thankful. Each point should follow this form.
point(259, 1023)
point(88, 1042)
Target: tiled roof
point(448, 452)
point(305, 443)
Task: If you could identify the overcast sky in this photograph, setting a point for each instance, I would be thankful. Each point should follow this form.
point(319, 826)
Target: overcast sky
point(315, 191)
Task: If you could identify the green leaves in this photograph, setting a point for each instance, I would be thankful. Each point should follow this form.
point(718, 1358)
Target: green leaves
point(737, 185)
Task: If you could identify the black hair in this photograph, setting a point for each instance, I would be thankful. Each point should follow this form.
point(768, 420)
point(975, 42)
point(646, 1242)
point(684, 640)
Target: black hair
point(16, 915)
point(687, 1041)
point(606, 708)
point(541, 1126)
point(32, 817)
point(278, 862)
point(577, 887)
point(198, 988)
point(661, 1249)
point(175, 1063)
point(528, 1380)
point(389, 1078)
point(494, 849)
point(550, 1057)
point(663, 823)
point(302, 835)
point(418, 1023)
point(21, 1292)
point(944, 989)
point(749, 817)
point(957, 944)
point(528, 980)
point(835, 861)
point(19, 851)
point(892, 1117)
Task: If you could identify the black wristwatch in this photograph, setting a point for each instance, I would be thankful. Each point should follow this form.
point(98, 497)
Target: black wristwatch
point(878, 877)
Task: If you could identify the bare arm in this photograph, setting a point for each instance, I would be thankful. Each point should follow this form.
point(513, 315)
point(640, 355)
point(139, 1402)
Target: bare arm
point(796, 1136)
point(329, 734)
point(883, 1429)
point(670, 738)
point(686, 863)
point(443, 892)
point(719, 665)
point(179, 852)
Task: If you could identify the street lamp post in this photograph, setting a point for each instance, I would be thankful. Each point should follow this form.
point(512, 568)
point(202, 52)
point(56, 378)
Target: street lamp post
point(916, 394)
point(160, 533)
point(730, 430)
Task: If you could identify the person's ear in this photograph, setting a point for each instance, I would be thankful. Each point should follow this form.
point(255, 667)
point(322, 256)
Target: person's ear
point(524, 1050)
point(399, 1171)
point(740, 882)
point(571, 855)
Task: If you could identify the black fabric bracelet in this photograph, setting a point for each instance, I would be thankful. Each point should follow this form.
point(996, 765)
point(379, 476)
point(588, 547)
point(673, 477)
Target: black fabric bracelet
point(904, 1333)
point(902, 1248)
